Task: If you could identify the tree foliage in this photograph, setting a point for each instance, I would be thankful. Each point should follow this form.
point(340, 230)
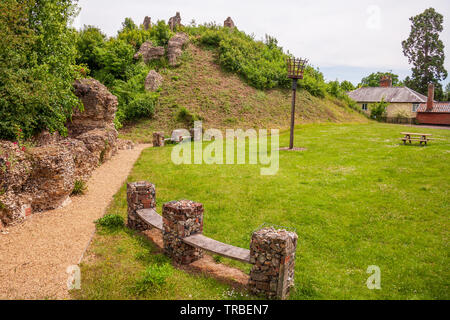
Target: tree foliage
point(378, 110)
point(373, 80)
point(425, 51)
point(447, 92)
point(37, 66)
point(88, 39)
point(347, 86)
point(111, 62)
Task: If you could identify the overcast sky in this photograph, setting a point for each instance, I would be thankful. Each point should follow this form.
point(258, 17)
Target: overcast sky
point(346, 39)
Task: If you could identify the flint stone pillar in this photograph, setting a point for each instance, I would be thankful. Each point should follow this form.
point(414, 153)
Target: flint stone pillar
point(272, 253)
point(182, 219)
point(140, 195)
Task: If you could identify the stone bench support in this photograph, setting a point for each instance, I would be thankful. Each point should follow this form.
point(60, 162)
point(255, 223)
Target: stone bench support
point(272, 253)
point(158, 139)
point(140, 195)
point(182, 219)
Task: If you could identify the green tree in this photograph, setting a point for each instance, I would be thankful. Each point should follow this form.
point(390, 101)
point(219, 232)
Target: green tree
point(373, 80)
point(447, 92)
point(347, 86)
point(37, 58)
point(133, 34)
point(425, 51)
point(128, 24)
point(378, 110)
point(88, 39)
point(115, 57)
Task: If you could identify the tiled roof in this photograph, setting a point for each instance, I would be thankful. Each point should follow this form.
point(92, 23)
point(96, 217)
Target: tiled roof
point(390, 94)
point(437, 107)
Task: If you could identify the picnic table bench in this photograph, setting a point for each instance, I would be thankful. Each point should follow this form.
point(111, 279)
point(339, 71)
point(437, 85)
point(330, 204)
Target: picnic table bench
point(421, 137)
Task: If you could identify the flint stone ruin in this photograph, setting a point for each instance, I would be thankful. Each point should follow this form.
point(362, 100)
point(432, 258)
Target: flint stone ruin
point(229, 23)
point(147, 23)
point(175, 47)
point(43, 177)
point(148, 52)
point(175, 21)
point(272, 251)
point(153, 81)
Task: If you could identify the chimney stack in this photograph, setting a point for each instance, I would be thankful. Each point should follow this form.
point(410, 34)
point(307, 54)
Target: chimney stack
point(430, 97)
point(386, 82)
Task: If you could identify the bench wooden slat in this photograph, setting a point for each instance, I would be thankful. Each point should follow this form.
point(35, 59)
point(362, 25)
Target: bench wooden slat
point(217, 247)
point(151, 217)
point(416, 134)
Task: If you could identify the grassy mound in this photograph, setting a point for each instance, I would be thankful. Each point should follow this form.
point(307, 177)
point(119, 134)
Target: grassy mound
point(199, 89)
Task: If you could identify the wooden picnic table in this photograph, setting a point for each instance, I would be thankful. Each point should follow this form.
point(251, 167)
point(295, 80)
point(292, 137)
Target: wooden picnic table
point(421, 137)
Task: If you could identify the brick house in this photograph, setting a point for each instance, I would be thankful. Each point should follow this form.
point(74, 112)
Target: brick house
point(433, 112)
point(403, 102)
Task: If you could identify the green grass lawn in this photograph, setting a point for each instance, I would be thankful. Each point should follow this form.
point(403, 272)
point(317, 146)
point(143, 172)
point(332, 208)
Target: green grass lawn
point(357, 197)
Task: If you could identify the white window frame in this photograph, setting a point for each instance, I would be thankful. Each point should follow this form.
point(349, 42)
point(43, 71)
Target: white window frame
point(365, 107)
point(416, 105)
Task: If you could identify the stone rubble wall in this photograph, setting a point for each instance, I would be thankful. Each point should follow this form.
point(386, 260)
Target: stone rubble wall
point(42, 177)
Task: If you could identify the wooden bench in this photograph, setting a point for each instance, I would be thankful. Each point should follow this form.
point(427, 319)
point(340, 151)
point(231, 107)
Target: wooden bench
point(217, 247)
point(421, 137)
point(153, 219)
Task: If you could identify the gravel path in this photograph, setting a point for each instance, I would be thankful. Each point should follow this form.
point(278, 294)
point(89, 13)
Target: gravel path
point(34, 256)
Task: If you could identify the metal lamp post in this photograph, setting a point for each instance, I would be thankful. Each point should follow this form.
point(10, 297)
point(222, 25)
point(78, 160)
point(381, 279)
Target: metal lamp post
point(295, 69)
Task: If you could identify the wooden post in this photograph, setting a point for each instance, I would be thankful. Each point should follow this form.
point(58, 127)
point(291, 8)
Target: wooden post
point(294, 90)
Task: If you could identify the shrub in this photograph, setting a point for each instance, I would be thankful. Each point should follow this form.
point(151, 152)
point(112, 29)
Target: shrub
point(134, 101)
point(161, 33)
point(132, 34)
point(261, 63)
point(37, 54)
point(347, 86)
point(110, 222)
point(79, 187)
point(142, 106)
point(186, 116)
point(378, 110)
point(154, 278)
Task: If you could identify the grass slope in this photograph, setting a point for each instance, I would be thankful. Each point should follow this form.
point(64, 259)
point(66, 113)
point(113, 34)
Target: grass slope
point(357, 197)
point(221, 99)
